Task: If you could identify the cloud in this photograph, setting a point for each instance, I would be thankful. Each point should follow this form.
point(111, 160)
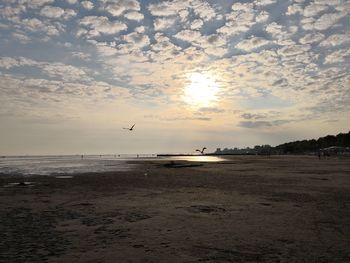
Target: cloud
point(262, 17)
point(262, 124)
point(118, 7)
point(167, 8)
point(36, 3)
point(61, 70)
point(246, 7)
point(241, 19)
point(338, 56)
point(177, 118)
point(336, 40)
point(21, 37)
point(137, 40)
point(294, 9)
point(134, 16)
point(264, 2)
point(252, 43)
point(98, 25)
point(81, 55)
point(163, 23)
point(196, 24)
point(311, 38)
point(210, 110)
point(203, 10)
point(250, 116)
point(36, 25)
point(9, 62)
point(69, 13)
point(325, 22)
point(188, 35)
point(39, 95)
point(293, 50)
point(52, 12)
point(314, 9)
point(87, 5)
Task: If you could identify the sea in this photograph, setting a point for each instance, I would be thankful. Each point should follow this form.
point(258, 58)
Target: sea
point(79, 164)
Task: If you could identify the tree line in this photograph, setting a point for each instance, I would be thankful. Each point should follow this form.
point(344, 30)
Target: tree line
point(295, 147)
point(340, 140)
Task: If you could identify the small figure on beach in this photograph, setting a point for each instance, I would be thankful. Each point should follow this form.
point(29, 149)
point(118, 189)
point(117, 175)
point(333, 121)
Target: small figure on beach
point(201, 151)
point(130, 129)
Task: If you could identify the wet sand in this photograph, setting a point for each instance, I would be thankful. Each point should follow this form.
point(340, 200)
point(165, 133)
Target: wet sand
point(247, 209)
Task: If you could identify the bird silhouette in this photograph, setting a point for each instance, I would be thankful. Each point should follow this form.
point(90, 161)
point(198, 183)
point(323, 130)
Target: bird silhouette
point(130, 129)
point(201, 151)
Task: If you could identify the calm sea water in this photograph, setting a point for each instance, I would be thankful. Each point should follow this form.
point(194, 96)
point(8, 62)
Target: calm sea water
point(74, 164)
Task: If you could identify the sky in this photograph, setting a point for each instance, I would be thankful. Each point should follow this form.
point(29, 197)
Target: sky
point(189, 74)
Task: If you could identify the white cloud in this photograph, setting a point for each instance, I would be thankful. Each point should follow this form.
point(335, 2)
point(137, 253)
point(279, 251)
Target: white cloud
point(118, 7)
point(336, 40)
point(9, 62)
point(167, 8)
point(294, 9)
point(35, 3)
point(246, 7)
point(314, 9)
point(137, 40)
point(293, 50)
point(72, 2)
point(52, 11)
point(134, 16)
point(264, 2)
point(87, 5)
point(21, 37)
point(328, 20)
point(188, 35)
point(252, 43)
point(11, 13)
point(241, 19)
point(203, 10)
point(338, 56)
point(140, 29)
point(106, 50)
point(262, 17)
point(81, 55)
point(98, 25)
point(36, 25)
point(163, 23)
point(69, 13)
point(311, 38)
point(196, 24)
point(282, 35)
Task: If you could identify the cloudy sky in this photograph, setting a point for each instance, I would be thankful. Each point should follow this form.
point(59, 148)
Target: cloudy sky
point(189, 73)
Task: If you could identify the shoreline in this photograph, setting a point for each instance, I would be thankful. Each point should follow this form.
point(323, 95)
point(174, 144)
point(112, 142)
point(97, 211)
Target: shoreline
point(256, 209)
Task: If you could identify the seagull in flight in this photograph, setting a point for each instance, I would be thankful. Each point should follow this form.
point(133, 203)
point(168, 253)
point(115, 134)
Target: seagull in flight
point(201, 151)
point(130, 129)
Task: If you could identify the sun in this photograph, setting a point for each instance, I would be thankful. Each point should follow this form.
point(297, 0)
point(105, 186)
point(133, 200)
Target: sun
point(201, 90)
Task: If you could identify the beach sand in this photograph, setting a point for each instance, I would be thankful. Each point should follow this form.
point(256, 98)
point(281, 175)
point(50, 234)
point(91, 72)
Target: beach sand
point(246, 209)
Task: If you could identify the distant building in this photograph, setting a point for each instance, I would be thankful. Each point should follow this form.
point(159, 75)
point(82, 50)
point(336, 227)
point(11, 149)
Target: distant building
point(335, 150)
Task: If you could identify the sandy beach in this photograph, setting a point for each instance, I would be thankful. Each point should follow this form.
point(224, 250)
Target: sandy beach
point(246, 209)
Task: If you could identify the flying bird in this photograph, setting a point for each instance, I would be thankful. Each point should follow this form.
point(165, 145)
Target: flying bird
point(201, 151)
point(130, 129)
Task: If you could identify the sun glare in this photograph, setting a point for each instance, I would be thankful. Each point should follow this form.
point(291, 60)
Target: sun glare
point(201, 90)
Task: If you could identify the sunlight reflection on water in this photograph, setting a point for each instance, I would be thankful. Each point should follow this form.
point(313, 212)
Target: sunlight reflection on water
point(198, 158)
point(62, 165)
